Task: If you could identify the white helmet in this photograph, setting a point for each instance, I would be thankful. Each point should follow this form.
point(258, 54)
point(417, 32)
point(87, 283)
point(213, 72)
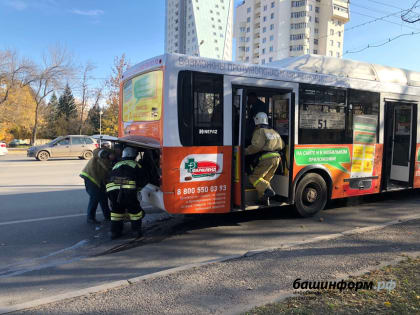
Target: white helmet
point(261, 119)
point(129, 152)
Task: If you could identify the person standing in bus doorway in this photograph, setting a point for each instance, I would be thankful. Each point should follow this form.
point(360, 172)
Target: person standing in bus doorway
point(266, 142)
point(95, 174)
point(127, 178)
point(255, 106)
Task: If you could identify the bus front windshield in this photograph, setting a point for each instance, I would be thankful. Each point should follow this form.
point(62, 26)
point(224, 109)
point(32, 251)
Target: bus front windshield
point(142, 97)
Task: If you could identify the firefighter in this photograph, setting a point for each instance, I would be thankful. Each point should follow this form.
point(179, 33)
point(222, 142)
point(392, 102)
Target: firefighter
point(266, 144)
point(95, 174)
point(255, 106)
point(126, 180)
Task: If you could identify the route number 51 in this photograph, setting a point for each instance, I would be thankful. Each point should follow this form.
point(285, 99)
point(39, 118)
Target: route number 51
point(322, 124)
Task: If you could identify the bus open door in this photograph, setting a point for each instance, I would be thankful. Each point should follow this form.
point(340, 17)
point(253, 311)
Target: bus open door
point(279, 106)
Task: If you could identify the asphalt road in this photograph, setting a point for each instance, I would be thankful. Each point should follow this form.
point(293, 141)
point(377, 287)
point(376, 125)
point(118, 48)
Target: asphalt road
point(237, 285)
point(46, 247)
point(43, 215)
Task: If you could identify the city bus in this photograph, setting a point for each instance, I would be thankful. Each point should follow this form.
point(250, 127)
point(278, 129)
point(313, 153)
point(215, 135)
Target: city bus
point(350, 129)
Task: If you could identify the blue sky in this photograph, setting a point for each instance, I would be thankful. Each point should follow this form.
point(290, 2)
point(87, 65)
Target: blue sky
point(99, 30)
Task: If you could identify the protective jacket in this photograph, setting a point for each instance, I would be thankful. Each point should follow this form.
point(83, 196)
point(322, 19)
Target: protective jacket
point(126, 179)
point(97, 169)
point(265, 141)
point(127, 174)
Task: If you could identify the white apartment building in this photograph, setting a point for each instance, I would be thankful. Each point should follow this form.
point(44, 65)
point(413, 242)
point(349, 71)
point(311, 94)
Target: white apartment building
point(199, 28)
point(268, 30)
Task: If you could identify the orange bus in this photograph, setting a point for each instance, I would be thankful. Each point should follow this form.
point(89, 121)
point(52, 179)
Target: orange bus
point(351, 129)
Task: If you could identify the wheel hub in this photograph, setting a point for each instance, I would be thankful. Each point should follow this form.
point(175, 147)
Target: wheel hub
point(311, 195)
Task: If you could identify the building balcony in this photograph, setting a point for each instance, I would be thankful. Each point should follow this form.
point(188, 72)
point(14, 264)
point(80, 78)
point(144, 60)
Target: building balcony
point(340, 13)
point(343, 3)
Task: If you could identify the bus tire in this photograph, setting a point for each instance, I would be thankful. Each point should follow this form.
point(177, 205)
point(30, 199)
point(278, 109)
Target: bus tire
point(311, 195)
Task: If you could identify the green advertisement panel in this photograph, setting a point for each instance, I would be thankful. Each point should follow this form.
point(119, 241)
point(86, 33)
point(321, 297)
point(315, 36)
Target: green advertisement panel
point(334, 157)
point(142, 97)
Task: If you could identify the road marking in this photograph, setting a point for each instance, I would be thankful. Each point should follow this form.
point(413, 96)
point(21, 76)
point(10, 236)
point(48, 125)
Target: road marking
point(35, 164)
point(43, 219)
point(53, 218)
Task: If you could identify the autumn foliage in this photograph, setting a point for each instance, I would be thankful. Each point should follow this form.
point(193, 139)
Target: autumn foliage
point(37, 100)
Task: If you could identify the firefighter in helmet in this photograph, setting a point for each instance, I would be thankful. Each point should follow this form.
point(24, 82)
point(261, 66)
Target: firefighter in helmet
point(265, 144)
point(127, 178)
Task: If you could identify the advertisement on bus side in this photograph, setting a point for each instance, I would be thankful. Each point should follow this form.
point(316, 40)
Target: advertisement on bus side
point(197, 179)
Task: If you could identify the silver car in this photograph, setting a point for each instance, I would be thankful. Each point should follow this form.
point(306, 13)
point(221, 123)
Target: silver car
point(67, 146)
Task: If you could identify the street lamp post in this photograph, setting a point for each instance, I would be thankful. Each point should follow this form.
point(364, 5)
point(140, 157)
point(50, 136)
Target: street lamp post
point(100, 128)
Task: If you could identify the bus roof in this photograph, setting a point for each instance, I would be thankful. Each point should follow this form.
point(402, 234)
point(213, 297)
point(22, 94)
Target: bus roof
point(305, 64)
point(349, 69)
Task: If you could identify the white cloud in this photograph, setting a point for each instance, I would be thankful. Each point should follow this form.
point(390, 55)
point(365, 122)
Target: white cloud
point(88, 12)
point(15, 4)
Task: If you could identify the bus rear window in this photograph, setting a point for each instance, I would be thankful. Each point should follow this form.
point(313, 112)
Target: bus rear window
point(142, 97)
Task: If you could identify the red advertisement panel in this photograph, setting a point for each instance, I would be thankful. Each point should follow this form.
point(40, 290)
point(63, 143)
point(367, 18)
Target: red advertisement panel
point(197, 179)
point(417, 168)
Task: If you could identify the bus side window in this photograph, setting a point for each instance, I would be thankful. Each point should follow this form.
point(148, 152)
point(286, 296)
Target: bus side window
point(200, 109)
point(363, 105)
point(208, 109)
point(185, 119)
point(322, 115)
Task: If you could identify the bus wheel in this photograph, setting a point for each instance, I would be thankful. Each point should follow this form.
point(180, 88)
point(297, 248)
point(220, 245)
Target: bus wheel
point(311, 195)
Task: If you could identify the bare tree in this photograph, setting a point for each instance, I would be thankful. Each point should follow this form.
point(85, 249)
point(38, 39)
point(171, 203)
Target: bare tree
point(110, 117)
point(51, 75)
point(97, 96)
point(86, 92)
point(14, 71)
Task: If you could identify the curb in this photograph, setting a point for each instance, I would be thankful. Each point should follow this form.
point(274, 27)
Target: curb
point(116, 284)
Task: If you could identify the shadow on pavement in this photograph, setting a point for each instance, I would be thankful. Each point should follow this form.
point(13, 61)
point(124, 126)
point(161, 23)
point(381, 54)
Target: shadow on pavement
point(351, 209)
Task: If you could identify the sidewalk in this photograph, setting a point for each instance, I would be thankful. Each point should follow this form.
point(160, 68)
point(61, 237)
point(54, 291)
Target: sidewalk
point(16, 151)
point(237, 285)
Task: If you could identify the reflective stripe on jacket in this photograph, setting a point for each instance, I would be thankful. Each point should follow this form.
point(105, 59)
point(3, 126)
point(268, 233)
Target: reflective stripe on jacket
point(126, 174)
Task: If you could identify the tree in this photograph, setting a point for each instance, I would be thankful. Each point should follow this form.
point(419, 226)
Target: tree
point(52, 108)
point(67, 105)
point(17, 114)
point(110, 117)
point(94, 112)
point(14, 72)
point(86, 93)
point(92, 120)
point(51, 115)
point(55, 69)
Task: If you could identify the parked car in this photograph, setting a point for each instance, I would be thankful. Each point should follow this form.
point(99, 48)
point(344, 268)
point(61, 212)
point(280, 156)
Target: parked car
point(105, 140)
point(3, 149)
point(67, 146)
point(16, 142)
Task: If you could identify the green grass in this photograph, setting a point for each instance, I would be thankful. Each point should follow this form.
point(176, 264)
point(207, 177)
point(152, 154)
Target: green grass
point(404, 299)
